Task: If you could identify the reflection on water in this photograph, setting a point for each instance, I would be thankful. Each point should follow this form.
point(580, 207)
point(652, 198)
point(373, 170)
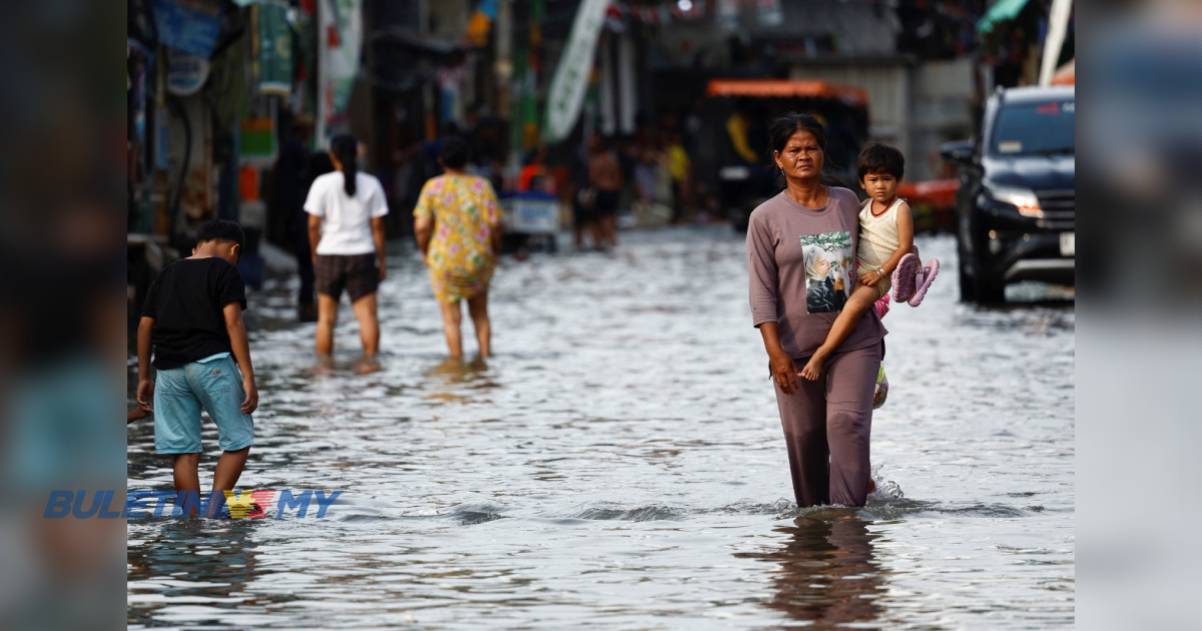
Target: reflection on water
point(827, 572)
point(619, 463)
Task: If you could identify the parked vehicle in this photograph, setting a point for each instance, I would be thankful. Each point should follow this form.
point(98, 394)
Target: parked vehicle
point(1016, 206)
point(737, 113)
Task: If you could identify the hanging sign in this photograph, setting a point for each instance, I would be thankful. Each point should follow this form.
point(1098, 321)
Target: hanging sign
point(274, 48)
point(573, 70)
point(189, 26)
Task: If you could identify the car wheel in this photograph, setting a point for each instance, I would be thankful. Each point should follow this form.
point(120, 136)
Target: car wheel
point(985, 289)
point(966, 289)
point(977, 283)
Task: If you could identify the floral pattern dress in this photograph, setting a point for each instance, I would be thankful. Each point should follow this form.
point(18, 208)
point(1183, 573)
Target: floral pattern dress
point(465, 213)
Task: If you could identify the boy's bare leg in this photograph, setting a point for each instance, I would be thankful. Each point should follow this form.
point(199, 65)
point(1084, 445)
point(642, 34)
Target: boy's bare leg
point(225, 477)
point(477, 307)
point(369, 324)
point(327, 316)
point(861, 300)
point(229, 469)
point(187, 480)
point(451, 317)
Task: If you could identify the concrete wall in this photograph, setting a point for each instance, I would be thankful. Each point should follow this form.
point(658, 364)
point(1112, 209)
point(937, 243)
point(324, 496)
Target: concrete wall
point(913, 107)
point(888, 86)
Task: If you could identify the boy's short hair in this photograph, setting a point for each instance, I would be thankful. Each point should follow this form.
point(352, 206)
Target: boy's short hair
point(878, 158)
point(221, 230)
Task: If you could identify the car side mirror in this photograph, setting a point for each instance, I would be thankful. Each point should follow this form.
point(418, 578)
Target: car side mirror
point(958, 151)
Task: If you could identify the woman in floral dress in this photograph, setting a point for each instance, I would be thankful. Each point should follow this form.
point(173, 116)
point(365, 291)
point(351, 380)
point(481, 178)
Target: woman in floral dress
point(458, 228)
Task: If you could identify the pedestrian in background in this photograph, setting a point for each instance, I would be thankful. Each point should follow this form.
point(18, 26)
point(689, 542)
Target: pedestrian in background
point(584, 198)
point(457, 222)
point(289, 184)
point(605, 179)
point(346, 230)
point(827, 422)
point(680, 168)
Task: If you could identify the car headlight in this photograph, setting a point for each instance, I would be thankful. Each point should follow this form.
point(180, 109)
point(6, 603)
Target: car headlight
point(1021, 198)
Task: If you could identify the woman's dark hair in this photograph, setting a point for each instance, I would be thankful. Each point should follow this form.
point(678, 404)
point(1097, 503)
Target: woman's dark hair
point(221, 230)
point(877, 158)
point(453, 152)
point(784, 127)
point(346, 149)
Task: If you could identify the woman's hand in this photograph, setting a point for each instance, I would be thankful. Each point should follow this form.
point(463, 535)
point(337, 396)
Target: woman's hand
point(784, 372)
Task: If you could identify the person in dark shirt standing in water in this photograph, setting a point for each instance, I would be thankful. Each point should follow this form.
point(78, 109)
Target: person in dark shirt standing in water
point(193, 321)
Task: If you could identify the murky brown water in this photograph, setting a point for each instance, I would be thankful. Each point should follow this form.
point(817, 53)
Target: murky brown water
point(619, 463)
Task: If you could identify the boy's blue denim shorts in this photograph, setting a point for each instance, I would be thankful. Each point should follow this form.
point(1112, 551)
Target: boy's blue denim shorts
point(179, 394)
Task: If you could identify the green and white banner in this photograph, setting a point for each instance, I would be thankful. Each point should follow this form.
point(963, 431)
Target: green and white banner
point(573, 70)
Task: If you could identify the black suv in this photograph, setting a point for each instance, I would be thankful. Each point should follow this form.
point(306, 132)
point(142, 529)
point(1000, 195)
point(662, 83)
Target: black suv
point(1017, 201)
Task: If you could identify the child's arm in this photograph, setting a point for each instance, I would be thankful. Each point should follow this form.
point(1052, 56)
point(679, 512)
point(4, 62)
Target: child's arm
point(905, 243)
point(241, 347)
point(145, 385)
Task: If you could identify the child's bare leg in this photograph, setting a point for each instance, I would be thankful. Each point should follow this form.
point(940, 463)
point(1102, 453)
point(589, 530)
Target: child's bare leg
point(225, 477)
point(861, 300)
point(187, 480)
point(229, 469)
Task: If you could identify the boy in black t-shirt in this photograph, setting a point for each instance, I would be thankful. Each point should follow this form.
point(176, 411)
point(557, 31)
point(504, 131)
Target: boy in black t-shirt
point(193, 319)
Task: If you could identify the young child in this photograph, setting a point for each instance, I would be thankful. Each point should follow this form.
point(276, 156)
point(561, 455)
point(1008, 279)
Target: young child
point(886, 249)
point(193, 320)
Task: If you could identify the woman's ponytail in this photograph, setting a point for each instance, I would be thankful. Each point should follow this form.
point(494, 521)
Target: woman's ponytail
point(346, 149)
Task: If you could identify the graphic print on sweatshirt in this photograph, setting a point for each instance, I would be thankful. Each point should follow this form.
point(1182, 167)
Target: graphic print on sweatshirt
point(828, 260)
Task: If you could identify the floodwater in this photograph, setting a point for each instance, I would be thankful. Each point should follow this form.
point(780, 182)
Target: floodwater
point(620, 464)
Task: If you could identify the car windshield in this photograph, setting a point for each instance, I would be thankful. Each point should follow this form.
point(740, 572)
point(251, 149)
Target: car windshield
point(1024, 129)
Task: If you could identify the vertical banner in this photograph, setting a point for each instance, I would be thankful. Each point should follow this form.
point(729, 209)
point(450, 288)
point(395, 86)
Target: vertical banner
point(273, 43)
point(1057, 28)
point(573, 70)
point(340, 34)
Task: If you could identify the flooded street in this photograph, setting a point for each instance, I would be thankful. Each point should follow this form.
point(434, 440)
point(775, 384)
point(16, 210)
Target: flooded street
point(620, 463)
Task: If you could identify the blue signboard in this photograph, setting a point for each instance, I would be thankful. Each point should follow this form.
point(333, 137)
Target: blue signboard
point(188, 26)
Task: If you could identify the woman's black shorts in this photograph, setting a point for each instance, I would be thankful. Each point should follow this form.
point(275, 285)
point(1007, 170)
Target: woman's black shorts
point(356, 273)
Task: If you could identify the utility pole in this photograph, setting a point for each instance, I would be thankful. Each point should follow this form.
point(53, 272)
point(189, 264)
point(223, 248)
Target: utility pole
point(504, 49)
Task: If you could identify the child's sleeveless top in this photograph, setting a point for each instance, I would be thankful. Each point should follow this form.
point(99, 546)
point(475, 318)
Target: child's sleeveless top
point(878, 236)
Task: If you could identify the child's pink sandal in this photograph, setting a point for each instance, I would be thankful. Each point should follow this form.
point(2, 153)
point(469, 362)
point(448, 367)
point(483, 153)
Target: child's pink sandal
point(881, 306)
point(904, 278)
point(925, 276)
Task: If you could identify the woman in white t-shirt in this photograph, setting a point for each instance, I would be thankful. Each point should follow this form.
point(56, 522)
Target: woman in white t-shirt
point(346, 232)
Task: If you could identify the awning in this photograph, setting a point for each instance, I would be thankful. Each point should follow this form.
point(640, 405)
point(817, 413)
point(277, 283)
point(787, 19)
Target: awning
point(786, 89)
point(1001, 11)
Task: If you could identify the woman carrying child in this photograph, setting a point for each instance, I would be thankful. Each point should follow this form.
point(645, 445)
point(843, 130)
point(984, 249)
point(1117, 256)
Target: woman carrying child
point(827, 422)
